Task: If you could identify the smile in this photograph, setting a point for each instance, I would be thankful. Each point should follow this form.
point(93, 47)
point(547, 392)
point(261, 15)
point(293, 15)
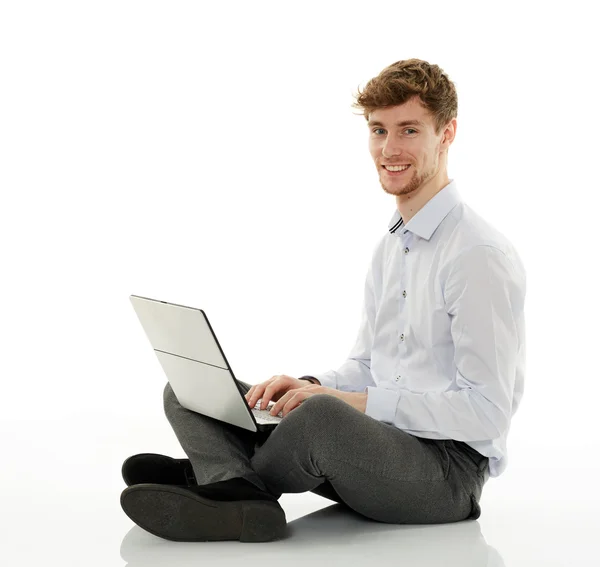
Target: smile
point(394, 173)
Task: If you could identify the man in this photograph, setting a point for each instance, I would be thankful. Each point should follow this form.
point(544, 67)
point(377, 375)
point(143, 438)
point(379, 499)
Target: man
point(411, 426)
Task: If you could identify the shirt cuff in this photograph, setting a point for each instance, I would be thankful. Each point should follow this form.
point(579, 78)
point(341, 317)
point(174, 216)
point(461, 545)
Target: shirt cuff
point(382, 404)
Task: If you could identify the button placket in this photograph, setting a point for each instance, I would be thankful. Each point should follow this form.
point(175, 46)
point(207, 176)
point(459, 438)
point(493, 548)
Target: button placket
point(406, 251)
point(402, 336)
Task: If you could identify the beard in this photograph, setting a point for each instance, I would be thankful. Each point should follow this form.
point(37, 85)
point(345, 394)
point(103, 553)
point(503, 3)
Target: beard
point(411, 183)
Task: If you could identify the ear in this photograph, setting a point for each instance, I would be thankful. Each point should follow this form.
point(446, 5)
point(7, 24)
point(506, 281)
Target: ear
point(449, 134)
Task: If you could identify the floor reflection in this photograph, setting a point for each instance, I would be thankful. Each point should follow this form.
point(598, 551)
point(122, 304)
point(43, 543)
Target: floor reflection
point(331, 535)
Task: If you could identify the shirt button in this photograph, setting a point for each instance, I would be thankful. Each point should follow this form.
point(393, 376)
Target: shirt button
point(402, 337)
point(404, 293)
point(397, 378)
point(406, 250)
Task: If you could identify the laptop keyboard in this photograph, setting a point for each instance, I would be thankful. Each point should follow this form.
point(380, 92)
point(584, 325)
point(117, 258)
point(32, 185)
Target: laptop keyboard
point(264, 415)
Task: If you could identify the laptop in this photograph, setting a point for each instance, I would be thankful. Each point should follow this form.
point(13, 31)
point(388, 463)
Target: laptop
point(195, 365)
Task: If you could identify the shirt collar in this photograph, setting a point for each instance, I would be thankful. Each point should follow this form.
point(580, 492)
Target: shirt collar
point(425, 222)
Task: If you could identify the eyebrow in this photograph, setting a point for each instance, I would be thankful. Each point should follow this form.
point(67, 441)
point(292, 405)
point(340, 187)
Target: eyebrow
point(403, 123)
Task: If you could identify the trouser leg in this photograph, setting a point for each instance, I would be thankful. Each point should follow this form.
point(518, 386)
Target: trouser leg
point(377, 469)
point(217, 451)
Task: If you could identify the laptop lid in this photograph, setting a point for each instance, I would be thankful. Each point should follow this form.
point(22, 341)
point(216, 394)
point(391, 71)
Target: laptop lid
point(193, 360)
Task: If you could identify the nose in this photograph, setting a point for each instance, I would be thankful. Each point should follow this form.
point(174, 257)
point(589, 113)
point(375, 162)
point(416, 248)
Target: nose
point(391, 149)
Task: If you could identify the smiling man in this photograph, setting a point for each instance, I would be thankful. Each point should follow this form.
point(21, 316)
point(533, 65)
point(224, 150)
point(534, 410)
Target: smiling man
point(411, 157)
point(412, 425)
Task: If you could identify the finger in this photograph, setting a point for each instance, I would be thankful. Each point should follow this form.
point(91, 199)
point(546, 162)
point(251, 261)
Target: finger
point(287, 403)
point(287, 408)
point(266, 397)
point(295, 401)
point(271, 389)
point(257, 391)
point(279, 404)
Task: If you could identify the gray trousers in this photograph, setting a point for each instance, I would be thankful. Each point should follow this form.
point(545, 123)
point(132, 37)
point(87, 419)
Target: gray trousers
point(328, 447)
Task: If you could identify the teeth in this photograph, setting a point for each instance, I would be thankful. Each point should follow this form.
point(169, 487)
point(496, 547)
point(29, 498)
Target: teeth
point(396, 167)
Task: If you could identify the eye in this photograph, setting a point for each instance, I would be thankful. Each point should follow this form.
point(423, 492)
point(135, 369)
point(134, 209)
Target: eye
point(411, 129)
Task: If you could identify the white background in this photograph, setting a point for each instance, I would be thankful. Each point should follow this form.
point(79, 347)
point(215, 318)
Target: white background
point(207, 154)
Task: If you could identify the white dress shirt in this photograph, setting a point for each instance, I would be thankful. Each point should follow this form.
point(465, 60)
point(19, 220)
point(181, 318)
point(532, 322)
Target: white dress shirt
point(441, 344)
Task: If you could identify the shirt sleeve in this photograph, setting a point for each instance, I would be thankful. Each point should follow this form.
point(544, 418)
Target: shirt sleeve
point(354, 375)
point(484, 297)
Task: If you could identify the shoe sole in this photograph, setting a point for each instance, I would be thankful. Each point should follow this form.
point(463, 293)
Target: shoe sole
point(177, 514)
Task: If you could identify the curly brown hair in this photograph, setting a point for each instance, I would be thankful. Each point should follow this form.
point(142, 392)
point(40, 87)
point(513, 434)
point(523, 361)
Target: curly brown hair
point(403, 80)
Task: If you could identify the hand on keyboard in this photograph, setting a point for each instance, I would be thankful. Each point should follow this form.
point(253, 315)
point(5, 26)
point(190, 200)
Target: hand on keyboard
point(265, 413)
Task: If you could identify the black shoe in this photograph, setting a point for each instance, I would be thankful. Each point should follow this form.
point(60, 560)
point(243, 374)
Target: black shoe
point(233, 509)
point(157, 469)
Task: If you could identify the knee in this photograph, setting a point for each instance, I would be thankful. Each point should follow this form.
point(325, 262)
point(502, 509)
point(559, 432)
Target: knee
point(317, 421)
point(168, 397)
point(323, 409)
point(322, 402)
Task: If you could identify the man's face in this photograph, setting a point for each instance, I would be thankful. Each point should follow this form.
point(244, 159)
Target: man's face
point(412, 143)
